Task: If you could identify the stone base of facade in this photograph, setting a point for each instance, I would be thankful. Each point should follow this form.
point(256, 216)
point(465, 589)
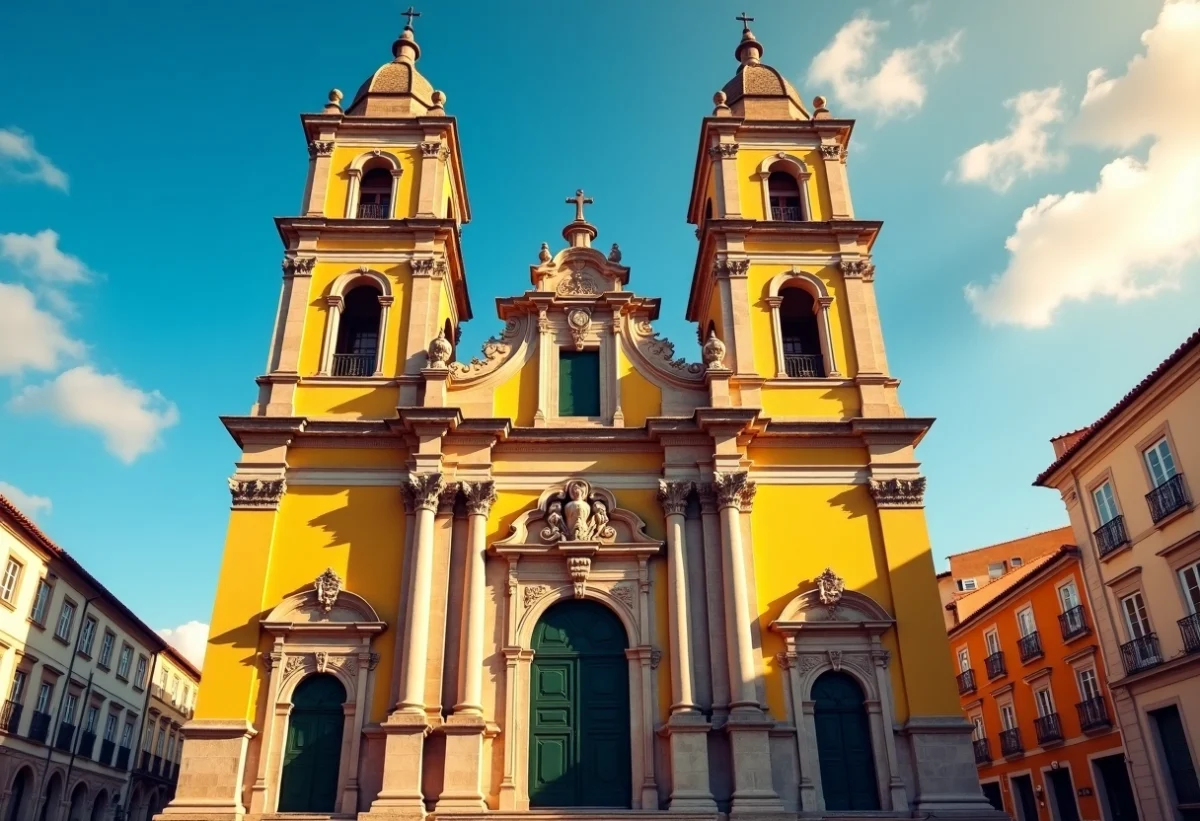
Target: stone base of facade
point(943, 764)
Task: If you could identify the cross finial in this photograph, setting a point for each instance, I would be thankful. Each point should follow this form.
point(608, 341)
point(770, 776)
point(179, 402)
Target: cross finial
point(745, 21)
point(410, 14)
point(579, 200)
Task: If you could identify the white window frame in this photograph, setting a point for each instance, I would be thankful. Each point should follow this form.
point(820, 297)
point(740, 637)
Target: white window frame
point(1167, 466)
point(125, 660)
point(1088, 683)
point(964, 659)
point(1069, 584)
point(989, 636)
point(1105, 503)
point(1027, 609)
point(1007, 710)
point(1190, 589)
point(45, 696)
point(37, 613)
point(16, 690)
point(127, 735)
point(139, 678)
point(87, 634)
point(10, 582)
point(822, 300)
point(1015, 562)
point(69, 705)
point(963, 585)
point(110, 727)
point(107, 643)
point(91, 717)
point(978, 729)
point(1043, 699)
point(65, 612)
point(1003, 565)
point(1144, 628)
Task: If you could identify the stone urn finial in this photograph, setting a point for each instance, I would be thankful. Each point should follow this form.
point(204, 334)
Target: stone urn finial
point(544, 253)
point(439, 352)
point(714, 353)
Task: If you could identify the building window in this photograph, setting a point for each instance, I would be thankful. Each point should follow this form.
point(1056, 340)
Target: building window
point(110, 727)
point(978, 733)
point(41, 602)
point(1008, 717)
point(1068, 596)
point(1015, 562)
point(1106, 503)
point(106, 648)
point(174, 691)
point(992, 639)
point(16, 693)
point(358, 333)
point(1160, 462)
point(578, 383)
point(964, 660)
point(124, 661)
point(375, 194)
point(965, 585)
point(784, 194)
point(127, 734)
point(171, 748)
point(1189, 577)
point(1045, 704)
point(66, 620)
point(69, 705)
point(1025, 621)
point(8, 584)
point(139, 679)
point(1136, 621)
point(92, 716)
point(996, 570)
point(43, 699)
point(87, 635)
point(187, 697)
point(801, 336)
point(1089, 685)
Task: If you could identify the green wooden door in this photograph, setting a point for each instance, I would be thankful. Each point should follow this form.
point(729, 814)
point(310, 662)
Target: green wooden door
point(844, 744)
point(578, 383)
point(579, 709)
point(314, 747)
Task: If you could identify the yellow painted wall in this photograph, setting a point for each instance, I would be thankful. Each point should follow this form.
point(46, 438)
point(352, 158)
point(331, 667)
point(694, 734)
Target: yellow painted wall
point(750, 187)
point(640, 398)
point(516, 397)
point(408, 186)
point(795, 401)
point(300, 457)
point(370, 402)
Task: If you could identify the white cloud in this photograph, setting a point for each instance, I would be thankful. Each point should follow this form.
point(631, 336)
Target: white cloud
point(130, 420)
point(1130, 236)
point(38, 255)
point(1024, 150)
point(897, 85)
point(29, 336)
point(29, 504)
point(19, 158)
point(189, 639)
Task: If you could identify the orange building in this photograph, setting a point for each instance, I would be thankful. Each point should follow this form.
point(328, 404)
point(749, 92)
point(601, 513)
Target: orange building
point(1032, 682)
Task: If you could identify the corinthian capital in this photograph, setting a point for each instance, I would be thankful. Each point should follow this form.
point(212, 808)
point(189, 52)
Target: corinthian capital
point(673, 496)
point(899, 492)
point(256, 494)
point(423, 491)
point(734, 490)
point(480, 497)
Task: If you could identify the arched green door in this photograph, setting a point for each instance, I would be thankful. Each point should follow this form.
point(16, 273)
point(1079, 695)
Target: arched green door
point(579, 709)
point(314, 747)
point(844, 744)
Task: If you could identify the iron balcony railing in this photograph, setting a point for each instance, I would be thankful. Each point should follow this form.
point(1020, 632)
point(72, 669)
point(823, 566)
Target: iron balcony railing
point(787, 213)
point(1167, 498)
point(800, 365)
point(983, 751)
point(1141, 654)
point(1111, 535)
point(995, 665)
point(122, 758)
point(157, 767)
point(966, 682)
point(66, 734)
point(1073, 623)
point(107, 746)
point(353, 364)
point(145, 765)
point(1093, 714)
point(1189, 626)
point(1048, 728)
point(1030, 646)
point(87, 742)
point(374, 210)
point(1010, 742)
point(12, 716)
point(39, 727)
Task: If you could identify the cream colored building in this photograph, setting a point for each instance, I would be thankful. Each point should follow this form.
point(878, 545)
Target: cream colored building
point(1127, 483)
point(173, 688)
point(77, 668)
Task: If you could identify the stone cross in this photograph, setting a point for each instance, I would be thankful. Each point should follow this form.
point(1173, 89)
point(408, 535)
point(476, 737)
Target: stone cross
point(579, 200)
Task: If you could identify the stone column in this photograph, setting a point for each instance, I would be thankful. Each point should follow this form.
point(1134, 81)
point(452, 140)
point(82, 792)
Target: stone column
point(260, 800)
point(321, 152)
point(687, 729)
point(725, 156)
point(466, 728)
point(748, 726)
point(546, 352)
point(333, 312)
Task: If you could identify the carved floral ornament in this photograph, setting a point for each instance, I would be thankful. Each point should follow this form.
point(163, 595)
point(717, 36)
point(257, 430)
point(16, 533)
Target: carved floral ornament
point(730, 268)
point(728, 150)
point(579, 321)
point(577, 519)
point(480, 496)
point(256, 494)
point(830, 587)
point(320, 148)
point(328, 585)
point(673, 496)
point(423, 491)
point(660, 352)
point(899, 492)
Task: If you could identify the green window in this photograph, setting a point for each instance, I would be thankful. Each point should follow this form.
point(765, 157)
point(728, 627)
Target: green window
point(578, 383)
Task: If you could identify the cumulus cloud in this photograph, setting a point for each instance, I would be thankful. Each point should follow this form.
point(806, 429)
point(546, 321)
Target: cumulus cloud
point(130, 420)
point(890, 87)
point(39, 256)
point(30, 337)
point(189, 639)
point(21, 160)
point(29, 504)
point(1024, 150)
point(1131, 235)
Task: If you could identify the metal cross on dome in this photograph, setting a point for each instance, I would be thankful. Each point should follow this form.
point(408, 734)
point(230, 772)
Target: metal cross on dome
point(745, 21)
point(579, 200)
point(410, 14)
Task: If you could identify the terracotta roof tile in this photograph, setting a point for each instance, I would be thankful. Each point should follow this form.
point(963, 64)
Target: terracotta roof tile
point(973, 602)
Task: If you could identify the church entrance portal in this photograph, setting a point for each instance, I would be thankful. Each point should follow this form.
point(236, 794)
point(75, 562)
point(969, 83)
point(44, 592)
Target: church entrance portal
point(314, 746)
point(579, 709)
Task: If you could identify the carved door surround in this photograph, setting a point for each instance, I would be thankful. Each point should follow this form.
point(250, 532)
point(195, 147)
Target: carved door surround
point(324, 629)
point(578, 544)
point(831, 628)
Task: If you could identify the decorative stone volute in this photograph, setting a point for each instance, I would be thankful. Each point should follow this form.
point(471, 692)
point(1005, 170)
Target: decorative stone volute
point(439, 353)
point(328, 585)
point(734, 489)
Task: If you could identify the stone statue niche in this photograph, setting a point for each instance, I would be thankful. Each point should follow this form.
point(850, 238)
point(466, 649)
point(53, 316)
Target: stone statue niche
point(576, 515)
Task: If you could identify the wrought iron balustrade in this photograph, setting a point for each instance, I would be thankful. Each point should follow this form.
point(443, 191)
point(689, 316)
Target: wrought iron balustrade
point(1111, 535)
point(374, 210)
point(123, 758)
point(1048, 728)
point(801, 365)
point(995, 665)
point(87, 742)
point(787, 213)
point(1189, 626)
point(1167, 498)
point(12, 716)
point(353, 364)
point(1073, 623)
point(107, 747)
point(966, 682)
point(1093, 714)
point(1141, 654)
point(1030, 646)
point(983, 752)
point(66, 734)
point(1010, 742)
point(39, 727)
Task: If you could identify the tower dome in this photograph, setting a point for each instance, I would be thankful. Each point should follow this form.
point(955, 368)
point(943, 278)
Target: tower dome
point(758, 91)
point(396, 89)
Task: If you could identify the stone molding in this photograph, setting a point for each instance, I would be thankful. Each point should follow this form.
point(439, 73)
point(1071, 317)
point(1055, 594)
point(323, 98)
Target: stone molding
point(256, 494)
point(898, 493)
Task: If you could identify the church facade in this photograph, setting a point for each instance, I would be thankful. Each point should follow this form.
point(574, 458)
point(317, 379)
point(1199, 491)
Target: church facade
point(576, 572)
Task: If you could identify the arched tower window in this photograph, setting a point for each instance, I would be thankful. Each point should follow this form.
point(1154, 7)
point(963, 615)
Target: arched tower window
point(375, 194)
point(784, 194)
point(708, 210)
point(802, 356)
point(358, 333)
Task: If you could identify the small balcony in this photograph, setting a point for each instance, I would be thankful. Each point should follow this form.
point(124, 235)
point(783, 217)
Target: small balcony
point(803, 365)
point(87, 742)
point(1073, 623)
point(374, 210)
point(1189, 626)
point(1141, 654)
point(1010, 742)
point(1048, 728)
point(787, 213)
point(1030, 647)
point(1111, 535)
point(122, 758)
point(983, 751)
point(966, 682)
point(1167, 498)
point(11, 719)
point(353, 364)
point(995, 665)
point(1093, 714)
point(107, 747)
point(66, 734)
point(39, 727)
point(145, 765)
point(156, 768)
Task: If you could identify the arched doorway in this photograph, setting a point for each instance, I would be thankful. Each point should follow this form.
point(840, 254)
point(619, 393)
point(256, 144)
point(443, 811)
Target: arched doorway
point(78, 809)
point(51, 798)
point(100, 806)
point(844, 744)
point(579, 709)
point(20, 795)
point(314, 746)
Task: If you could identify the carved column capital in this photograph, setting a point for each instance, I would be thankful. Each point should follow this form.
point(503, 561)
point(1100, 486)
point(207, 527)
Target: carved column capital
point(320, 148)
point(723, 151)
point(899, 492)
point(256, 494)
point(707, 495)
point(447, 497)
point(857, 269)
point(431, 149)
point(734, 490)
point(731, 268)
point(423, 491)
point(673, 496)
point(298, 266)
point(480, 496)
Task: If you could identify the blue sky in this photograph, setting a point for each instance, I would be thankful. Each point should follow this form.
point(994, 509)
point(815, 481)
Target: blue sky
point(145, 148)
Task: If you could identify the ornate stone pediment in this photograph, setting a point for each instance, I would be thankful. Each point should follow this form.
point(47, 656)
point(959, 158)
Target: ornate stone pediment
point(579, 272)
point(320, 610)
point(829, 606)
point(580, 519)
